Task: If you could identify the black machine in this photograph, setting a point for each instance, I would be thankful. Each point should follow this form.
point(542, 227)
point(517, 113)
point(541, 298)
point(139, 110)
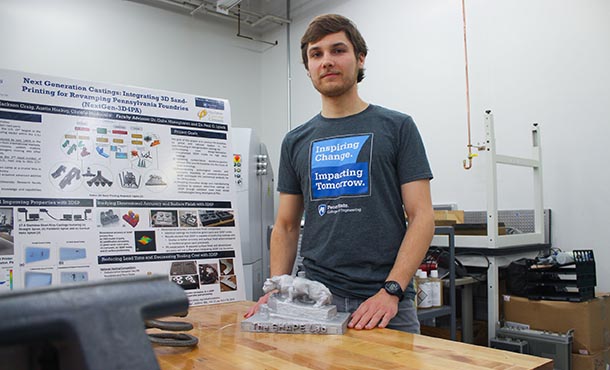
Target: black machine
point(90, 326)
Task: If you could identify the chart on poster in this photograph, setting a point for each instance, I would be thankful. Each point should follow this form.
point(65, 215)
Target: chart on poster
point(101, 181)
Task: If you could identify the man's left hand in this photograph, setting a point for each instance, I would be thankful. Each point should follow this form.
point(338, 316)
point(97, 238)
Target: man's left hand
point(377, 311)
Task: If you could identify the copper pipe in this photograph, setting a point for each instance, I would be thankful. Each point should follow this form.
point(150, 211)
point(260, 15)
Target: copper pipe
point(470, 155)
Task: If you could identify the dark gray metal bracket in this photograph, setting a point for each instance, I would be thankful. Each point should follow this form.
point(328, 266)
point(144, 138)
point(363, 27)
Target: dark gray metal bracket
point(239, 34)
point(91, 326)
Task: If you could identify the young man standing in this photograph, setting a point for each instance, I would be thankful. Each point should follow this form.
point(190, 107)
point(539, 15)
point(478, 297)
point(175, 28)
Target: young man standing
point(355, 169)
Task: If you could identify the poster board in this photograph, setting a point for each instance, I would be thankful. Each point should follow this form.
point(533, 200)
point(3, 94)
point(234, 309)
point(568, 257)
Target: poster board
point(101, 181)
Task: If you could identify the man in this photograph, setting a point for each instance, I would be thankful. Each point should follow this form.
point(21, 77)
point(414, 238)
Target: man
point(355, 169)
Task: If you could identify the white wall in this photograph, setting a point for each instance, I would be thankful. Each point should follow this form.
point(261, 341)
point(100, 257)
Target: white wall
point(544, 61)
point(133, 44)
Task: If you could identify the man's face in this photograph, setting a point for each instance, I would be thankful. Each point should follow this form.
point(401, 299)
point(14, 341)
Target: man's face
point(332, 64)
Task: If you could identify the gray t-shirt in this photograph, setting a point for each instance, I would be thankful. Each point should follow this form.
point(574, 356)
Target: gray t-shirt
point(349, 171)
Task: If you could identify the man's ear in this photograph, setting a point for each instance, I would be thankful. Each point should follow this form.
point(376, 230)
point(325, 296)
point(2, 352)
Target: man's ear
point(361, 59)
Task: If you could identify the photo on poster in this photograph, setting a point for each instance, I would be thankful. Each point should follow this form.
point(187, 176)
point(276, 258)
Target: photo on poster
point(208, 274)
point(184, 273)
point(228, 280)
point(188, 219)
point(130, 179)
point(72, 255)
point(66, 176)
point(108, 218)
point(71, 277)
point(163, 218)
point(6, 279)
point(7, 244)
point(226, 266)
point(228, 283)
point(28, 214)
point(131, 218)
point(76, 143)
point(62, 215)
point(155, 181)
point(211, 218)
point(145, 241)
point(38, 279)
point(98, 179)
point(37, 254)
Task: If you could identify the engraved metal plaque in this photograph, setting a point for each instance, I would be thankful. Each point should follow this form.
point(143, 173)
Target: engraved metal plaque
point(279, 316)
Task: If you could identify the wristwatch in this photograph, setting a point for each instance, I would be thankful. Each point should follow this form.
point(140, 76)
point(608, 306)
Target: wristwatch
point(393, 288)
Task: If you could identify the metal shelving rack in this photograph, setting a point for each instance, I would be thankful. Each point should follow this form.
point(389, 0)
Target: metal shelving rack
point(500, 250)
point(430, 313)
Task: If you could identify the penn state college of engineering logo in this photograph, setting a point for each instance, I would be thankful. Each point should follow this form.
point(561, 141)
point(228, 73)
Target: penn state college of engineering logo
point(322, 209)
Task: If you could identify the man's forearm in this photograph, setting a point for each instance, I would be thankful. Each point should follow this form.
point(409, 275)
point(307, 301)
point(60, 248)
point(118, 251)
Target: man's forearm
point(284, 241)
point(413, 248)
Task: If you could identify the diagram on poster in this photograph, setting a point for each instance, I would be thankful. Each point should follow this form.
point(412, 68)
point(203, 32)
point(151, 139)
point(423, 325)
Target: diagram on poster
point(104, 181)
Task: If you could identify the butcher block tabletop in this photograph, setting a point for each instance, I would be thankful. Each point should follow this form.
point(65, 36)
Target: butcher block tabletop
point(222, 345)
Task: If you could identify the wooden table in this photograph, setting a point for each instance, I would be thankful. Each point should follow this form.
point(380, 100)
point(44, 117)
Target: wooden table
point(222, 345)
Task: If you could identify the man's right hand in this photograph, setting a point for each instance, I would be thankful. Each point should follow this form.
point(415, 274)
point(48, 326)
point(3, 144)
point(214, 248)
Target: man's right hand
point(261, 300)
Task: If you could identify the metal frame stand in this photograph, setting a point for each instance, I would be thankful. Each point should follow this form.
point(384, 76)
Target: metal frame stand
point(501, 245)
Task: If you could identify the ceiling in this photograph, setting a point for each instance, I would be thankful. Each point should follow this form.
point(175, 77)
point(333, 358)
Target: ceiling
point(255, 15)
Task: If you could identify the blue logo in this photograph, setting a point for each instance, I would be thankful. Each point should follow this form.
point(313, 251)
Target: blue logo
point(322, 209)
point(209, 103)
point(340, 167)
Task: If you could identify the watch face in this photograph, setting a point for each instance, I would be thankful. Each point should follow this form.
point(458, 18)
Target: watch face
point(393, 287)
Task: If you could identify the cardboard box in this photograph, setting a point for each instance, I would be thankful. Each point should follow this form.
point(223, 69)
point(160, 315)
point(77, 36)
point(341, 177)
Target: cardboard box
point(590, 320)
point(596, 361)
point(476, 229)
point(456, 216)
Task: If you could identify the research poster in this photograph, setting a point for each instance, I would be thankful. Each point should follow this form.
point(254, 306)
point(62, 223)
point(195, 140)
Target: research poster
point(102, 181)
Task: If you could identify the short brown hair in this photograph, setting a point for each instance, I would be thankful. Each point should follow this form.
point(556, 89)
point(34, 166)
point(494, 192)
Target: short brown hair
point(326, 24)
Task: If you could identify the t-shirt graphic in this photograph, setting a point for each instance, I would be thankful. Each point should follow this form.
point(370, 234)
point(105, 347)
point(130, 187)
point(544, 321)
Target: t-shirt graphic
point(340, 166)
